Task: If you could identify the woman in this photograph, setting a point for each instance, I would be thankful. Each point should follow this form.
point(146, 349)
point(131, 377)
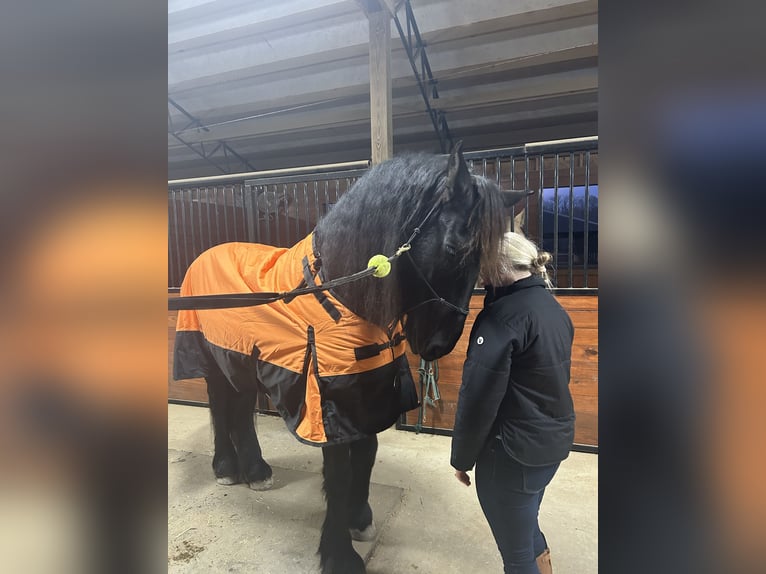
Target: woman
point(515, 417)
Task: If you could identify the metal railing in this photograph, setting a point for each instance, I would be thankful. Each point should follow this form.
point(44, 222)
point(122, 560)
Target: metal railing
point(562, 217)
point(280, 207)
point(257, 207)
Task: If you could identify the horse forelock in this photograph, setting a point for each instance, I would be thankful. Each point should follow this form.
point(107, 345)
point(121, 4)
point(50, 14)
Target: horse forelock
point(491, 225)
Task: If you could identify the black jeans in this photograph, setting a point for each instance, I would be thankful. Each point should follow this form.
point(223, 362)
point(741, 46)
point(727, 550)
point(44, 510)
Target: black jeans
point(510, 494)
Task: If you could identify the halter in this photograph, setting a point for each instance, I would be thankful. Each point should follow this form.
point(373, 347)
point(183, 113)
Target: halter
point(404, 249)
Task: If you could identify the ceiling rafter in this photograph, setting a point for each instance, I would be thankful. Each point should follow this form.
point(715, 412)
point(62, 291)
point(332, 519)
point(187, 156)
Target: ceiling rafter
point(199, 148)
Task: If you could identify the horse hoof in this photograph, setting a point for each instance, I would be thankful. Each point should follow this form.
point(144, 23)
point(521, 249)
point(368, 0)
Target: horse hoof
point(227, 480)
point(263, 484)
point(364, 535)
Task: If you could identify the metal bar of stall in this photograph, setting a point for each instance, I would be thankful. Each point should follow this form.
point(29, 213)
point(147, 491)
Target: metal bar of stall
point(183, 229)
point(225, 215)
point(264, 213)
point(207, 212)
point(497, 152)
point(315, 193)
point(237, 236)
point(254, 213)
point(277, 239)
point(175, 234)
point(525, 227)
point(513, 186)
point(586, 217)
point(306, 214)
point(540, 204)
point(199, 220)
point(309, 178)
point(556, 221)
point(247, 208)
point(562, 146)
point(337, 191)
point(191, 226)
point(217, 216)
point(292, 239)
point(326, 192)
point(570, 250)
point(238, 177)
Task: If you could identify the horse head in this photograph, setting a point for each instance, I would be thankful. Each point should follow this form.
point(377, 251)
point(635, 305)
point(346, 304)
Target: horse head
point(461, 235)
point(454, 222)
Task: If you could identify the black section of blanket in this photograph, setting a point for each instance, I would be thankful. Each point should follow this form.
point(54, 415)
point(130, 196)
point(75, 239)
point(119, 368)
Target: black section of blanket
point(194, 357)
point(367, 403)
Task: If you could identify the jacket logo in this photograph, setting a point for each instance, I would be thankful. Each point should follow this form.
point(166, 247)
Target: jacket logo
point(480, 340)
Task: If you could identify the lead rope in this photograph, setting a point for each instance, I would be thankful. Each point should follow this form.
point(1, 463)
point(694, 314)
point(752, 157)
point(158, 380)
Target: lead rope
point(429, 389)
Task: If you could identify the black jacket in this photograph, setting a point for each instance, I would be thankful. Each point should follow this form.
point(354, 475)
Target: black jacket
point(516, 378)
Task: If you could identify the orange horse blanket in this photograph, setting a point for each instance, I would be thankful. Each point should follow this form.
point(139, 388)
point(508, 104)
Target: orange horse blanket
point(332, 376)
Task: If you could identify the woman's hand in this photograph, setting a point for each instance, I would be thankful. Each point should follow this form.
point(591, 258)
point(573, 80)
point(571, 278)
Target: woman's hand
point(463, 477)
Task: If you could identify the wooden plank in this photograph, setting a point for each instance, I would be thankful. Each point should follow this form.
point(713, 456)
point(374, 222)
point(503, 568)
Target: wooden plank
point(586, 422)
point(584, 319)
point(192, 390)
point(381, 122)
point(578, 302)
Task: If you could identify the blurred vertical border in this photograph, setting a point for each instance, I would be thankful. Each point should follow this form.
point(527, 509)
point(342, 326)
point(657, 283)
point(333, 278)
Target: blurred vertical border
point(82, 286)
point(682, 122)
point(83, 269)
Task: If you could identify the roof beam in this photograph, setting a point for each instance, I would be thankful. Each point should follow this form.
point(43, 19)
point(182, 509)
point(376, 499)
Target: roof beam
point(381, 120)
point(374, 6)
point(415, 49)
point(199, 148)
point(408, 107)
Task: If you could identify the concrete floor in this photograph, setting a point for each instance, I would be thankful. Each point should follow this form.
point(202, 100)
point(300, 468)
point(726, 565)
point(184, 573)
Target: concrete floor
point(428, 523)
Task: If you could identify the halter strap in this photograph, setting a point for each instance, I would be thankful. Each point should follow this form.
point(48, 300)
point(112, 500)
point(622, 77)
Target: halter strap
point(436, 297)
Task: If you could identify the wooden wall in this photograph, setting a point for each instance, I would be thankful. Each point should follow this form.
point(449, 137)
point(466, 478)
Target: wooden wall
point(584, 385)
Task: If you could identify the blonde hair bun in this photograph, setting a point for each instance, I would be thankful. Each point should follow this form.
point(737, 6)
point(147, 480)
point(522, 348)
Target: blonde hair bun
point(542, 259)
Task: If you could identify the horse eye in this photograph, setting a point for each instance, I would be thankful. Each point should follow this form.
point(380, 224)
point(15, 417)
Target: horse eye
point(451, 250)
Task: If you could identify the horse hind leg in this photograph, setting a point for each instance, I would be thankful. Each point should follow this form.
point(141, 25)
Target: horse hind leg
point(363, 454)
point(225, 463)
point(336, 554)
point(252, 468)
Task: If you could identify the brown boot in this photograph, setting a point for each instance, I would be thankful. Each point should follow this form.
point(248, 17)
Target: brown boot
point(544, 562)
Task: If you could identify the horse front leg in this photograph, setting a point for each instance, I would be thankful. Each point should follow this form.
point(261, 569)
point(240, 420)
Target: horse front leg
point(360, 514)
point(336, 554)
point(252, 468)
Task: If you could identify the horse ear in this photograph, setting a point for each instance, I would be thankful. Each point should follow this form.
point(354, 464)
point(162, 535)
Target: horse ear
point(512, 196)
point(458, 176)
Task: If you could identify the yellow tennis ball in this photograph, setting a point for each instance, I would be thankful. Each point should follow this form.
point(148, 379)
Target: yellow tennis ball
point(382, 265)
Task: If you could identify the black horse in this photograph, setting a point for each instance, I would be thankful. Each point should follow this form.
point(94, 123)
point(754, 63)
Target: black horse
point(453, 222)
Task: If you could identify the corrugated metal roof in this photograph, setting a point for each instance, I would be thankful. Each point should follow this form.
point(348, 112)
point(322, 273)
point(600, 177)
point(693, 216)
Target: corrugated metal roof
point(287, 83)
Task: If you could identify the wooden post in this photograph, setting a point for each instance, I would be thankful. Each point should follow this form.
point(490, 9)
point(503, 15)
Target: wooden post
point(381, 124)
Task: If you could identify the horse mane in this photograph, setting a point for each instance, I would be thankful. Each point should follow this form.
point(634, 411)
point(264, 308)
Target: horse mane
point(379, 213)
